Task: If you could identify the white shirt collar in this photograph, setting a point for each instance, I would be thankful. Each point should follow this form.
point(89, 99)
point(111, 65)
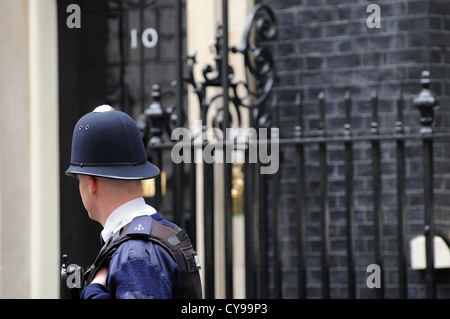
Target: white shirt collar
point(124, 214)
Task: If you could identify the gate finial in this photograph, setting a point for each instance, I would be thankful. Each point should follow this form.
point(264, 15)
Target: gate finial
point(426, 101)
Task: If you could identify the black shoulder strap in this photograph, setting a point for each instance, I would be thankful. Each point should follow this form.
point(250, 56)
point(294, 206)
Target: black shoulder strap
point(139, 227)
point(170, 237)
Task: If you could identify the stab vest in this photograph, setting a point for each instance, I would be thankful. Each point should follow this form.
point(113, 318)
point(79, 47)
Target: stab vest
point(172, 238)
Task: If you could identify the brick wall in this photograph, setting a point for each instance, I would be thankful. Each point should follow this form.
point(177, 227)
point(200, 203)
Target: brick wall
point(326, 45)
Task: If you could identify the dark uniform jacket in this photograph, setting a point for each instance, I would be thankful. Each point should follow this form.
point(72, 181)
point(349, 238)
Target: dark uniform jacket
point(148, 258)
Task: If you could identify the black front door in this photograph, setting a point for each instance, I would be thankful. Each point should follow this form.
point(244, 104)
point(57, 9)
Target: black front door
point(113, 54)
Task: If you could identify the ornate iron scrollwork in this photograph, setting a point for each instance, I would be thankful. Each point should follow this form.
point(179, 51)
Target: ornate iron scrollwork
point(260, 75)
point(253, 93)
point(258, 60)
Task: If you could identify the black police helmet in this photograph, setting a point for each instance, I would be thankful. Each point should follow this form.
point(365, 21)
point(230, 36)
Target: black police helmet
point(107, 143)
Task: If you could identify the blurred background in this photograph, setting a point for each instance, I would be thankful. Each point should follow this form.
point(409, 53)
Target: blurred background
point(363, 174)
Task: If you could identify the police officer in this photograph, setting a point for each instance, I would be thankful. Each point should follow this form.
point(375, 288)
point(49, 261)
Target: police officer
point(144, 255)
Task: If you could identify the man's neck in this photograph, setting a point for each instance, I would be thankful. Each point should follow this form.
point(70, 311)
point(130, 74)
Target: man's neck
point(124, 214)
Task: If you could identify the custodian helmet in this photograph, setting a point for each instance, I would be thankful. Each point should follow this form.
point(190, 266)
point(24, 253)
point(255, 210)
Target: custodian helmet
point(107, 143)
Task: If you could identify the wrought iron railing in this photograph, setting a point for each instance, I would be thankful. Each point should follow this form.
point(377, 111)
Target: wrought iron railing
point(263, 245)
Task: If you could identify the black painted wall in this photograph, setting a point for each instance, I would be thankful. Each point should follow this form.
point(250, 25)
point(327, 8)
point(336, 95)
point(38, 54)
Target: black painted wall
point(326, 45)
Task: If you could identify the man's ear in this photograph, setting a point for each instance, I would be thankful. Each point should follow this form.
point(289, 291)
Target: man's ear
point(92, 185)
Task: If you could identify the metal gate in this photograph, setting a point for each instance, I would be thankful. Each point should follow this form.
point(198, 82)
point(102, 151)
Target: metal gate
point(219, 128)
point(262, 192)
